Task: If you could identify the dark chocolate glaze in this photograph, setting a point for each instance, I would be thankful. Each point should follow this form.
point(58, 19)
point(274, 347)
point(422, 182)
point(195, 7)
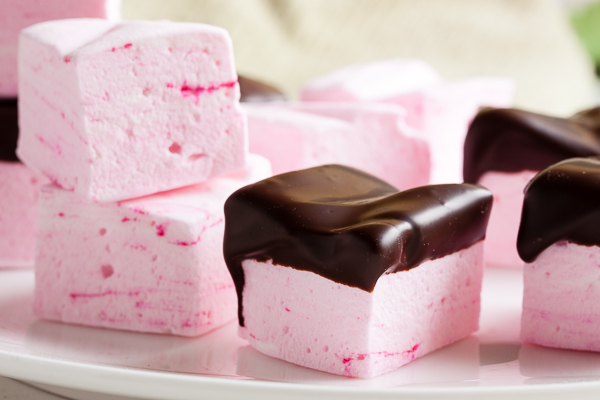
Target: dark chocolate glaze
point(9, 129)
point(562, 203)
point(510, 140)
point(253, 91)
point(348, 226)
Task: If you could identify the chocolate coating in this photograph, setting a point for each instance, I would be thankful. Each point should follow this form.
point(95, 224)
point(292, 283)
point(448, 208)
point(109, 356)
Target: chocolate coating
point(253, 91)
point(348, 226)
point(9, 129)
point(510, 140)
point(561, 203)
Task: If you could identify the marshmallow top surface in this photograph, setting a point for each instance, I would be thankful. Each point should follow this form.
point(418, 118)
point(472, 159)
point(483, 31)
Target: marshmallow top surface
point(9, 129)
point(561, 204)
point(348, 226)
point(511, 140)
point(375, 80)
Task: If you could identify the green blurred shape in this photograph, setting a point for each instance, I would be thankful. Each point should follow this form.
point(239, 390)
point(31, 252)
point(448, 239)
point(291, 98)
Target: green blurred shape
point(586, 22)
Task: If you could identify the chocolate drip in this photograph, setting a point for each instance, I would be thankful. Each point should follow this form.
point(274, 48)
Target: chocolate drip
point(561, 203)
point(348, 226)
point(9, 129)
point(253, 91)
point(510, 140)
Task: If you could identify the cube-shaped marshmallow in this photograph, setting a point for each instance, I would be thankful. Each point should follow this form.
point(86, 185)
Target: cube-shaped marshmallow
point(439, 110)
point(152, 264)
point(504, 149)
point(338, 271)
point(115, 111)
point(559, 238)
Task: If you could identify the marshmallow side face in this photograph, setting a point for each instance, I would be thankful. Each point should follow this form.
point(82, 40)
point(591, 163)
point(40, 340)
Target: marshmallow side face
point(306, 319)
point(152, 264)
point(560, 298)
point(155, 107)
point(501, 235)
point(19, 14)
point(370, 138)
point(18, 214)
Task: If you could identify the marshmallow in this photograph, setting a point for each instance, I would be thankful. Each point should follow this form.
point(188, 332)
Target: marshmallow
point(152, 264)
point(560, 298)
point(337, 271)
point(440, 111)
point(504, 149)
point(370, 137)
point(115, 111)
point(19, 14)
point(501, 237)
point(559, 238)
point(18, 213)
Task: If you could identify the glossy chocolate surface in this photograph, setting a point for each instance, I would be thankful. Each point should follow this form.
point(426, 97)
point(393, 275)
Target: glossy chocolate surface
point(348, 226)
point(9, 129)
point(510, 140)
point(253, 91)
point(562, 203)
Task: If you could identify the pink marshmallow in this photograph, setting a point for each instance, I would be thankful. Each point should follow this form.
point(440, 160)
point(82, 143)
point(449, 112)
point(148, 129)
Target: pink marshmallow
point(372, 81)
point(18, 213)
point(152, 264)
point(19, 14)
point(348, 331)
point(115, 111)
point(503, 227)
point(440, 111)
point(560, 300)
point(370, 137)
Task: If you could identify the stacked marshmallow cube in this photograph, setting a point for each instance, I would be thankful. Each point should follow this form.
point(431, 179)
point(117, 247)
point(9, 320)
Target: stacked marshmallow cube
point(139, 128)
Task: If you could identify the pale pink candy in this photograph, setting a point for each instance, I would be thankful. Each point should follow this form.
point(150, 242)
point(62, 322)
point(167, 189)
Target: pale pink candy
point(561, 297)
point(503, 227)
point(372, 81)
point(370, 137)
point(306, 319)
point(19, 14)
point(18, 213)
point(115, 111)
point(152, 264)
point(440, 111)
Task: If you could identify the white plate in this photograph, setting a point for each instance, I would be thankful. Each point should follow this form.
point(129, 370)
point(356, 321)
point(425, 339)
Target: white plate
point(490, 365)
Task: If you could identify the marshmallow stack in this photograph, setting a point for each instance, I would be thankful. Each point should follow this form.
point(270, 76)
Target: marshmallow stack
point(139, 128)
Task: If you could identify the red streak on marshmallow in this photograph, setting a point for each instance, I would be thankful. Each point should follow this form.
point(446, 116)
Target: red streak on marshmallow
point(196, 91)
